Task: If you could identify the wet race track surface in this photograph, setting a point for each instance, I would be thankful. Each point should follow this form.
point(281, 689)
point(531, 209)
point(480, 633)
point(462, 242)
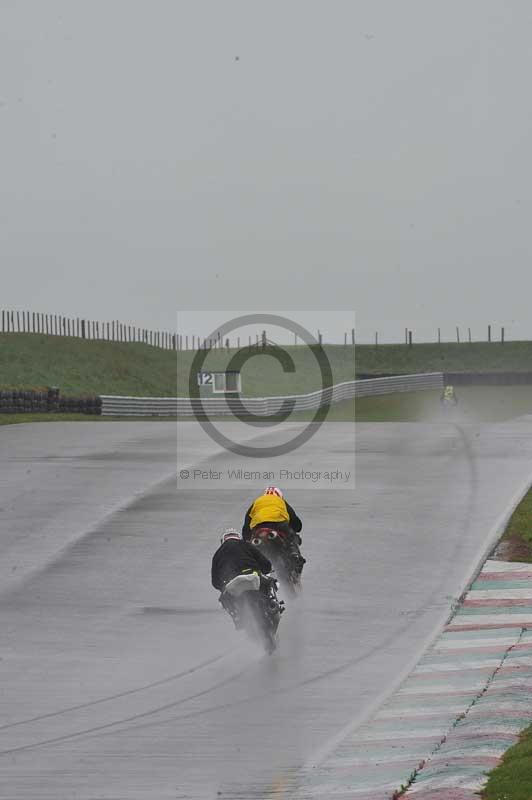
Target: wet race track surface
point(120, 675)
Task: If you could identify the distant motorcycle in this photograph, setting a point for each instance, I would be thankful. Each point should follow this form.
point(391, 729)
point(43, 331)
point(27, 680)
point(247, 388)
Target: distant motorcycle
point(448, 398)
point(274, 545)
point(254, 606)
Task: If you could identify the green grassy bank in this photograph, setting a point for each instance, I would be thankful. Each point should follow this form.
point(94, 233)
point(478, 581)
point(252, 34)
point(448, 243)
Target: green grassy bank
point(80, 366)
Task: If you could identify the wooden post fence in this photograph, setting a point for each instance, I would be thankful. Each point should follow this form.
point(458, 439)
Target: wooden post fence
point(38, 322)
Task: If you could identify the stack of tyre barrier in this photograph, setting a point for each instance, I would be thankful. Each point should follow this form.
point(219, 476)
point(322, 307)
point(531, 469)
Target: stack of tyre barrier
point(30, 401)
point(80, 405)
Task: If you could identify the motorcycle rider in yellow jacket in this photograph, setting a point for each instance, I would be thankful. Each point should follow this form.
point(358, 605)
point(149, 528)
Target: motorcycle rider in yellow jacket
point(270, 509)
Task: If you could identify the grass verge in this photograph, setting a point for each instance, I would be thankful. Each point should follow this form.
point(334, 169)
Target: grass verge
point(512, 779)
point(516, 542)
point(17, 419)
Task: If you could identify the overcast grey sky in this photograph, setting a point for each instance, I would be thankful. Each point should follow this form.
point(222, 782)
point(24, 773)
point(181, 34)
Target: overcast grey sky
point(373, 155)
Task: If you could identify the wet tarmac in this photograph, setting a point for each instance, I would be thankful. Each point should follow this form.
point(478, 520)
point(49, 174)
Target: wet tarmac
point(120, 676)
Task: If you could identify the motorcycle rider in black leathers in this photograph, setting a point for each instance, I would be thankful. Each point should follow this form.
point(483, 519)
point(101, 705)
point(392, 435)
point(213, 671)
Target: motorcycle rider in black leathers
point(237, 557)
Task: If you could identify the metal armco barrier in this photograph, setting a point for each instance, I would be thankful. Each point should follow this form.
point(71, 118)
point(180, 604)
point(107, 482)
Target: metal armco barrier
point(265, 406)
